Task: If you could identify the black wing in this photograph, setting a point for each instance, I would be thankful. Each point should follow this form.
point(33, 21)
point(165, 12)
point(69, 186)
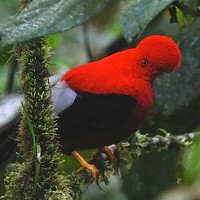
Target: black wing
point(92, 115)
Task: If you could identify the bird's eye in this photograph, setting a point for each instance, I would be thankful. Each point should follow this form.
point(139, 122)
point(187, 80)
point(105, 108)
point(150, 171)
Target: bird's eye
point(145, 62)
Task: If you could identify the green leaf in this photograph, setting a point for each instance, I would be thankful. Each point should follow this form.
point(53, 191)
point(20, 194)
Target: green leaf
point(137, 14)
point(31, 129)
point(191, 163)
point(44, 17)
point(184, 19)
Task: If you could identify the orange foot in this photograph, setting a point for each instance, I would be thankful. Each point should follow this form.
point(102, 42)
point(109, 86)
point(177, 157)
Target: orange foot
point(85, 165)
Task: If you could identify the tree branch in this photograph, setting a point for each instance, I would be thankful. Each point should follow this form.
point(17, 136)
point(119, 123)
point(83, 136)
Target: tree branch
point(136, 146)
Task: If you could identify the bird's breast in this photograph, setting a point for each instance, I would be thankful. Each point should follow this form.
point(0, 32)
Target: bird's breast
point(143, 92)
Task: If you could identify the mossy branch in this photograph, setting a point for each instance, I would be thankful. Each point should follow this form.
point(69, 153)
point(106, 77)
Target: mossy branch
point(136, 146)
point(37, 174)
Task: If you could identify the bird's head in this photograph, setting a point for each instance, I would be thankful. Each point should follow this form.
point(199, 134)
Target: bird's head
point(156, 54)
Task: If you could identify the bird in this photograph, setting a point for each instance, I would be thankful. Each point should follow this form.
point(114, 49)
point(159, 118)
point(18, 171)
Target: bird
point(105, 101)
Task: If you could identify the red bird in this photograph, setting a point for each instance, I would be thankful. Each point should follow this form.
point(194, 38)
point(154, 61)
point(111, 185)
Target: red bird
point(104, 102)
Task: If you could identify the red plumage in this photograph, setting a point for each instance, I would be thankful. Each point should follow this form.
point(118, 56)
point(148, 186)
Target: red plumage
point(128, 73)
point(117, 73)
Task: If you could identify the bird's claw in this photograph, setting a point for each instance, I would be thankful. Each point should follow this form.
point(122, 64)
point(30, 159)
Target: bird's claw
point(94, 171)
point(85, 165)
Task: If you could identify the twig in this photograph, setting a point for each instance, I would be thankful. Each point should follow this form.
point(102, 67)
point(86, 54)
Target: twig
point(137, 145)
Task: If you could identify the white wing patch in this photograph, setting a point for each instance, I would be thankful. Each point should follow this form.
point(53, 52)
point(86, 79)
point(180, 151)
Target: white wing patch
point(62, 97)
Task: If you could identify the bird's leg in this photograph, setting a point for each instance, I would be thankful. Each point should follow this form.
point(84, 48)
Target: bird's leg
point(112, 153)
point(109, 152)
point(86, 165)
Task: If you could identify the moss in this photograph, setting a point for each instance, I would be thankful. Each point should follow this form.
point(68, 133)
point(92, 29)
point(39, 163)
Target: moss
point(37, 173)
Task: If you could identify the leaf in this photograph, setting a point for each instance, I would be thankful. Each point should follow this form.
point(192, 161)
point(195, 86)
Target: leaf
point(137, 14)
point(191, 163)
point(31, 128)
point(44, 17)
point(184, 19)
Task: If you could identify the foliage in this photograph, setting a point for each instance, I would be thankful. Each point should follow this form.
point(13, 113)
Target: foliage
point(56, 16)
point(49, 16)
point(138, 14)
point(191, 163)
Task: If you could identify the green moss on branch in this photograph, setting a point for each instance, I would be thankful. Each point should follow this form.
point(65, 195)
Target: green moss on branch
point(37, 174)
